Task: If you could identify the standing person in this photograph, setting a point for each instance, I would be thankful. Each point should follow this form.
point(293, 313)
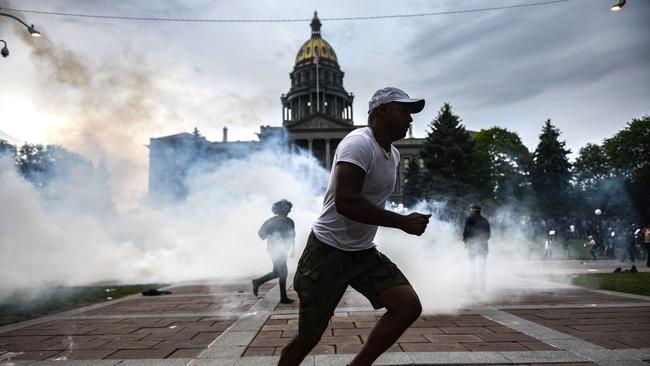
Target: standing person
point(627, 242)
point(548, 245)
point(593, 245)
point(597, 238)
point(646, 244)
point(340, 251)
point(279, 233)
point(476, 234)
point(568, 235)
point(610, 249)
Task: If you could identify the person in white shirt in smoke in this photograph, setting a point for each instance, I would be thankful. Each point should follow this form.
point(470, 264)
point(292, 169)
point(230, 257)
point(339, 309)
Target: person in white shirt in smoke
point(340, 251)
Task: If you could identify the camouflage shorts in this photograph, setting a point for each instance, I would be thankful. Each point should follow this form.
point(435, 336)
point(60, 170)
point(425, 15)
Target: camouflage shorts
point(324, 273)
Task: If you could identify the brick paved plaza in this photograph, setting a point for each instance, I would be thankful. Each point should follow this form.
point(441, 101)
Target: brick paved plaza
point(224, 324)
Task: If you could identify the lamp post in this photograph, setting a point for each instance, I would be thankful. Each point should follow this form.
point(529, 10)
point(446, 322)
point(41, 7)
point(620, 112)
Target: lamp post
point(30, 28)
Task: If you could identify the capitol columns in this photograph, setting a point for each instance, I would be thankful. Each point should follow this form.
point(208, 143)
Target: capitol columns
point(328, 157)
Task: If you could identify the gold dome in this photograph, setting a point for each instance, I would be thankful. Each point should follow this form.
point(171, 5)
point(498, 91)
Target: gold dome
point(316, 45)
point(313, 46)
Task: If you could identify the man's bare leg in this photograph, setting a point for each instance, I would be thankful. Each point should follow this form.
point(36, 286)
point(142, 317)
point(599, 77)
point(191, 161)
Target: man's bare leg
point(297, 350)
point(403, 308)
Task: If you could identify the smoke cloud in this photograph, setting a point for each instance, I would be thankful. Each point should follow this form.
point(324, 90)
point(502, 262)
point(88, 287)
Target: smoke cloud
point(110, 112)
point(212, 234)
point(110, 108)
point(437, 263)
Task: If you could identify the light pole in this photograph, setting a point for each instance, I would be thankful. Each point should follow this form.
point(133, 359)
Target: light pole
point(30, 29)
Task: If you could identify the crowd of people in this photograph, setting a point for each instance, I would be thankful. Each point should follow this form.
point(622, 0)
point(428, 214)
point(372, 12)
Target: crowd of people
point(605, 237)
point(611, 238)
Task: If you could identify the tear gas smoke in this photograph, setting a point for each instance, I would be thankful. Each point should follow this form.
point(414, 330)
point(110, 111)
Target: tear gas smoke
point(437, 264)
point(212, 234)
point(110, 108)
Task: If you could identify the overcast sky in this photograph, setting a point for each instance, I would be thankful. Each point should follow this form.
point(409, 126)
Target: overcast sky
point(103, 87)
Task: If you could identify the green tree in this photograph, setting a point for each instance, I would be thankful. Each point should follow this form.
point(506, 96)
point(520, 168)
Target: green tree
point(598, 185)
point(551, 174)
point(66, 177)
point(7, 150)
point(501, 166)
point(42, 164)
point(34, 164)
point(413, 190)
point(447, 155)
point(629, 154)
point(591, 166)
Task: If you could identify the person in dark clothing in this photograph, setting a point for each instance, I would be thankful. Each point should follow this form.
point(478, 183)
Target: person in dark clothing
point(628, 244)
point(476, 234)
point(568, 235)
point(611, 240)
point(646, 244)
point(280, 235)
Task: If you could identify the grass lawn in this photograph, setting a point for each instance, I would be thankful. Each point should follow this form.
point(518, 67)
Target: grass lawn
point(634, 283)
point(32, 303)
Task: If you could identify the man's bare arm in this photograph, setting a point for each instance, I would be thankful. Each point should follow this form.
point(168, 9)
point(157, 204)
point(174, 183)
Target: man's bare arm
point(348, 182)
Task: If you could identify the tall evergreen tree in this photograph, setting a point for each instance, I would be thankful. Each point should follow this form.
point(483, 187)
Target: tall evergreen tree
point(413, 185)
point(447, 155)
point(551, 174)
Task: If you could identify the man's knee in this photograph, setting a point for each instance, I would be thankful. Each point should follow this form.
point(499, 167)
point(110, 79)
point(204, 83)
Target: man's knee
point(404, 301)
point(413, 308)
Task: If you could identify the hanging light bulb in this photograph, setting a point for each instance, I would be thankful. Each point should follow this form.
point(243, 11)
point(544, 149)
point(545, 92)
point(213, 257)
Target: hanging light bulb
point(5, 51)
point(33, 31)
point(618, 5)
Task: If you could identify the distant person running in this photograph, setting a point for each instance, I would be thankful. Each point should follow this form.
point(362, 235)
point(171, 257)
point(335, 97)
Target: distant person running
point(340, 251)
point(280, 235)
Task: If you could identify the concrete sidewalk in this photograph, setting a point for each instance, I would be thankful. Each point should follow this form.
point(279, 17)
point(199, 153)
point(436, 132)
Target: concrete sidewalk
point(224, 324)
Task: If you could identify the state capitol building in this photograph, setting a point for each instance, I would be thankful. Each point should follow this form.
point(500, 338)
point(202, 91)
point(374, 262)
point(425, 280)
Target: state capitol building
point(316, 115)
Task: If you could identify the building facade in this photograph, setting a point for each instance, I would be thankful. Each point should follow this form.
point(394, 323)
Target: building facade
point(316, 115)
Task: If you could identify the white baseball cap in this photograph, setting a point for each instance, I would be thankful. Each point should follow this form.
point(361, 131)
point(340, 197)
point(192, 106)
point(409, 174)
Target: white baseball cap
point(391, 94)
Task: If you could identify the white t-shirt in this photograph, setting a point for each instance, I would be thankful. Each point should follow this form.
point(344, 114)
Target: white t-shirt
point(360, 148)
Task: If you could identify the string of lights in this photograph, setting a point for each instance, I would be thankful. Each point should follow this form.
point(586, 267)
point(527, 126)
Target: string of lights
point(370, 17)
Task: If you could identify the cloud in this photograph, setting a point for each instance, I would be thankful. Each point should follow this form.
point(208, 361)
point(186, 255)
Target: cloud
point(513, 68)
point(510, 56)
